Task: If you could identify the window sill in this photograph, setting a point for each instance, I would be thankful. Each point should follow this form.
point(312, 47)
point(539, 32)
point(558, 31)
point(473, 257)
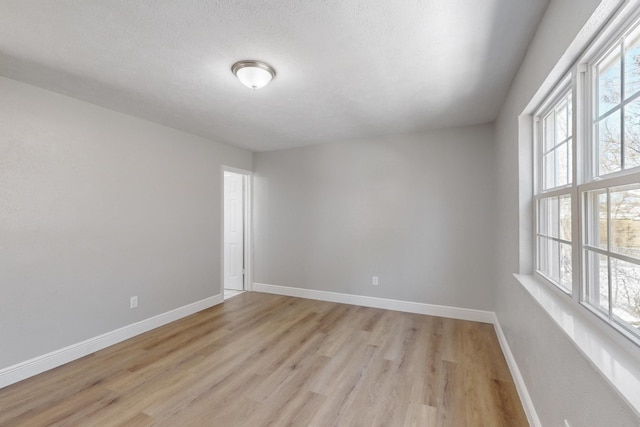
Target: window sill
point(614, 361)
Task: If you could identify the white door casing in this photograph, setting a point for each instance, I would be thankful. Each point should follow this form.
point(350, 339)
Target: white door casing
point(233, 231)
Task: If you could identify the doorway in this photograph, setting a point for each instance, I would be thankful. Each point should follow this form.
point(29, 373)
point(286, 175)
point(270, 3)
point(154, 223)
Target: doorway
point(235, 231)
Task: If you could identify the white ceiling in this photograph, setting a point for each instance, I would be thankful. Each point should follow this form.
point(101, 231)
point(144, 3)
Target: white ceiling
point(346, 69)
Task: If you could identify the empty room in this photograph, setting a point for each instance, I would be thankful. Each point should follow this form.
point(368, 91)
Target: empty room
point(320, 213)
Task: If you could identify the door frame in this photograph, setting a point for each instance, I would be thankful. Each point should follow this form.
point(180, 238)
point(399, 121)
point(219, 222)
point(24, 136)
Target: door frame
point(246, 217)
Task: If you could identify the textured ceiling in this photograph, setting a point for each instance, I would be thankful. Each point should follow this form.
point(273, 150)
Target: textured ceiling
point(345, 68)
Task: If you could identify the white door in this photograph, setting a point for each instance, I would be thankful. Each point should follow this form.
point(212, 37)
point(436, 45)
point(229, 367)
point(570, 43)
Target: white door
point(233, 231)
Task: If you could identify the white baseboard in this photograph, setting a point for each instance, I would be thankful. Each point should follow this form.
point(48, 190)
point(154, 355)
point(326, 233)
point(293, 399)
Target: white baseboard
point(525, 399)
point(29, 368)
point(389, 304)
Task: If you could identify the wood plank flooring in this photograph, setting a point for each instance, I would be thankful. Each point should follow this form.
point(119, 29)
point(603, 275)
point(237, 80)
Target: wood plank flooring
point(267, 360)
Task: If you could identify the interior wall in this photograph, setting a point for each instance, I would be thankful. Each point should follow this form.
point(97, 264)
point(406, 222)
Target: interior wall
point(416, 211)
point(561, 382)
point(95, 207)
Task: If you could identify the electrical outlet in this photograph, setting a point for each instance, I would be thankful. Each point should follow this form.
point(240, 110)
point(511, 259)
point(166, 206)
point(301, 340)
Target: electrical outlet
point(374, 280)
point(133, 302)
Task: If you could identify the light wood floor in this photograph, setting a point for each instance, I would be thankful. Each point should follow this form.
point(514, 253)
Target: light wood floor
point(262, 359)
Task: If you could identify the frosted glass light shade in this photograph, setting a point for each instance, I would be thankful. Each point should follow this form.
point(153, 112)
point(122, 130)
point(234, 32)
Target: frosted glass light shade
point(253, 74)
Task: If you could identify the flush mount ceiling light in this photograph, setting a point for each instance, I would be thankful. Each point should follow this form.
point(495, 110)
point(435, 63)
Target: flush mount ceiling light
point(253, 74)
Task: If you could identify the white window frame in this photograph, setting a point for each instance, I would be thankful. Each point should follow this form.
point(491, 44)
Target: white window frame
point(581, 80)
point(588, 179)
point(551, 101)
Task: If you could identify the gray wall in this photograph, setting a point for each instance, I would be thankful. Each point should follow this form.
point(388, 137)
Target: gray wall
point(414, 210)
point(96, 206)
point(562, 383)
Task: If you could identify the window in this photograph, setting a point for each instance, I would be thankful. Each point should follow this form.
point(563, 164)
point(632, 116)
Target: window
point(556, 144)
point(553, 199)
point(598, 267)
point(617, 82)
point(611, 195)
point(612, 253)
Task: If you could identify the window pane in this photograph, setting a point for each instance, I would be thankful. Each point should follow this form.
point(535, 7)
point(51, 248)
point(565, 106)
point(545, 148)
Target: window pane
point(543, 256)
point(548, 170)
point(549, 135)
point(596, 219)
point(625, 291)
point(562, 131)
point(565, 218)
point(565, 266)
point(548, 258)
point(603, 229)
point(632, 64)
point(543, 220)
point(562, 165)
point(625, 222)
point(553, 215)
point(609, 148)
point(632, 134)
point(609, 87)
point(555, 161)
point(597, 280)
point(554, 260)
